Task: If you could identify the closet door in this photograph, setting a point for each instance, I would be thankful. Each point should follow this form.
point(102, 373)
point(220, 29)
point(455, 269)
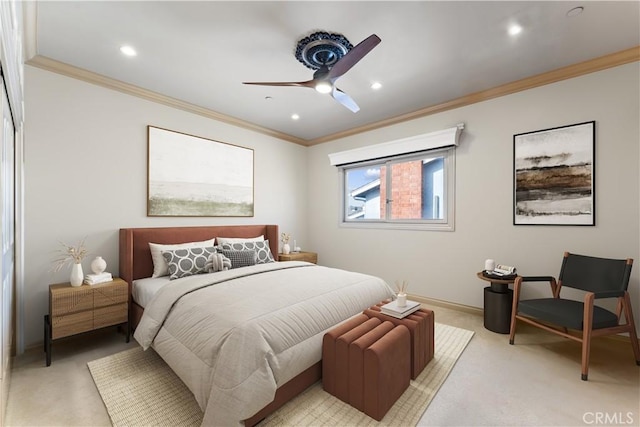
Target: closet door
point(7, 242)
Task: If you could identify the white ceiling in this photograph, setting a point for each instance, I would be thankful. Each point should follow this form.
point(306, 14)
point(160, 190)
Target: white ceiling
point(431, 52)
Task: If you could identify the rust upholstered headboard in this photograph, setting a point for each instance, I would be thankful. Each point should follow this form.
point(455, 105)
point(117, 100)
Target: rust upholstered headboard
point(135, 256)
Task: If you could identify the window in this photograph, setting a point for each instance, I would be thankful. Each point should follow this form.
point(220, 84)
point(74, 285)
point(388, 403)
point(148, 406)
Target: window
point(407, 191)
point(407, 183)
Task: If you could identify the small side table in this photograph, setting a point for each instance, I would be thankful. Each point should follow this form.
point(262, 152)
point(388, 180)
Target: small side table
point(299, 256)
point(498, 300)
point(75, 310)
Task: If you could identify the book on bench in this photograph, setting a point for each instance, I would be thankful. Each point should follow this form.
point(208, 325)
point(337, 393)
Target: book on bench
point(392, 309)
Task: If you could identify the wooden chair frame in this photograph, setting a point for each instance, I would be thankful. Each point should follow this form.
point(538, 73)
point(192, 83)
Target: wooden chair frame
point(623, 307)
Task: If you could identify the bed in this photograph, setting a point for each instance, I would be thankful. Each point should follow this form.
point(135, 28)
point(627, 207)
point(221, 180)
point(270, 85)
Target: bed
point(243, 340)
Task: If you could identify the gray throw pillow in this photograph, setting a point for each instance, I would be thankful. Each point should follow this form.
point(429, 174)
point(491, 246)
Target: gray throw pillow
point(187, 262)
point(240, 258)
point(261, 248)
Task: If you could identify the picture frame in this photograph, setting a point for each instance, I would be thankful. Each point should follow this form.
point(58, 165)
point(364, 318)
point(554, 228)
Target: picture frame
point(189, 175)
point(554, 176)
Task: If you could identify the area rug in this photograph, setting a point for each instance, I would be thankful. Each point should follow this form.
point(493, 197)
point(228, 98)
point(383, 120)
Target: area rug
point(139, 389)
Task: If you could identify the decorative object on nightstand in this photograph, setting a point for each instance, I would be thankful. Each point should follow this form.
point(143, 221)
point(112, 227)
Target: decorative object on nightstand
point(299, 256)
point(76, 275)
point(286, 249)
point(74, 310)
point(98, 265)
point(72, 255)
point(94, 279)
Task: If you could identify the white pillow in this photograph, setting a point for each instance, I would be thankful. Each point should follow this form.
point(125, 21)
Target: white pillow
point(229, 240)
point(160, 267)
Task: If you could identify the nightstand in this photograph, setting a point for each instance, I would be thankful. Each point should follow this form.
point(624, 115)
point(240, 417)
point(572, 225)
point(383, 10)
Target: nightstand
point(299, 256)
point(75, 310)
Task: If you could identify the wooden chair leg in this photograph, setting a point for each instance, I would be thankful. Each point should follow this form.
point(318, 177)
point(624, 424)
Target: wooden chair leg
point(633, 335)
point(587, 326)
point(514, 309)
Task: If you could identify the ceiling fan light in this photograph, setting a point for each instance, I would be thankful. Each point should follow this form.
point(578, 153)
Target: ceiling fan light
point(128, 50)
point(324, 87)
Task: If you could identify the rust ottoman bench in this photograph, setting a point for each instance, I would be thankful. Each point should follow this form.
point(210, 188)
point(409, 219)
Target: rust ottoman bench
point(421, 329)
point(387, 371)
point(367, 363)
point(329, 351)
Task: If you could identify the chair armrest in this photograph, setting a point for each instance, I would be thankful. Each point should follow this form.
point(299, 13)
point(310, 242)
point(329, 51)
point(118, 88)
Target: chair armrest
point(555, 290)
point(608, 294)
point(538, 278)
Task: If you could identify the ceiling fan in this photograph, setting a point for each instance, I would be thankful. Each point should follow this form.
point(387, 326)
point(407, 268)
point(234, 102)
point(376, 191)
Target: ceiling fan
point(331, 55)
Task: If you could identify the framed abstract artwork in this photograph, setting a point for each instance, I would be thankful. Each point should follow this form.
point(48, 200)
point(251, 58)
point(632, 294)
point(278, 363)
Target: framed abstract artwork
point(193, 176)
point(554, 176)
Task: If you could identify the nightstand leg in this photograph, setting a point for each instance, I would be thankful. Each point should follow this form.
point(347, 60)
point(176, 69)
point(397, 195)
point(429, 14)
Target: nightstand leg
point(47, 339)
point(128, 331)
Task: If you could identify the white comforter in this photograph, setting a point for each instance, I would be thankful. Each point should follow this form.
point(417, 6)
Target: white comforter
point(235, 336)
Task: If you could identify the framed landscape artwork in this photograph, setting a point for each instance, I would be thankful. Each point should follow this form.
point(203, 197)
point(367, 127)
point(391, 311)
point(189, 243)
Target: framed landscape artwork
point(554, 176)
point(193, 176)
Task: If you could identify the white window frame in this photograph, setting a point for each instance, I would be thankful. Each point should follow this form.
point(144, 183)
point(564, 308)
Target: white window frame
point(445, 224)
point(442, 141)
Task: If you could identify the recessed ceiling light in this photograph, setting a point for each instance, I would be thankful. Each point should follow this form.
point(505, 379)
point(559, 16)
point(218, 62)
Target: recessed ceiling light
point(128, 50)
point(515, 29)
point(575, 11)
point(268, 98)
point(295, 116)
point(376, 85)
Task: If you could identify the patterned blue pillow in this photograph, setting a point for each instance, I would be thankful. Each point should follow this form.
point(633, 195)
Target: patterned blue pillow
point(240, 258)
point(187, 262)
point(261, 248)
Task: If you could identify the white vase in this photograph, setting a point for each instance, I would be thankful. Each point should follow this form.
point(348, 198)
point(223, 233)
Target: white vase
point(76, 275)
point(286, 249)
point(98, 265)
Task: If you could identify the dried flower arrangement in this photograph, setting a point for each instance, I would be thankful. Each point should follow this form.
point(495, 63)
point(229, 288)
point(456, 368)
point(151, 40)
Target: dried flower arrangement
point(401, 287)
point(285, 238)
point(68, 255)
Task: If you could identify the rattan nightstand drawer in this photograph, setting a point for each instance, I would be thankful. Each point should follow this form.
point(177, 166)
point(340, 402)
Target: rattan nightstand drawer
point(111, 315)
point(110, 295)
point(71, 324)
point(66, 299)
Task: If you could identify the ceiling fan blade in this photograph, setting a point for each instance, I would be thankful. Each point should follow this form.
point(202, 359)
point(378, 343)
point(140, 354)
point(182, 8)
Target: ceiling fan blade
point(353, 56)
point(345, 100)
point(310, 83)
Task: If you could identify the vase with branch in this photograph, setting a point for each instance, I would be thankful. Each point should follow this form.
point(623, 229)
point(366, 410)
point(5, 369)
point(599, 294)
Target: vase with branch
point(73, 256)
point(284, 237)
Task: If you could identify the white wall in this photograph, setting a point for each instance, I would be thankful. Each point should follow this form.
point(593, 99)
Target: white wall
point(86, 175)
point(443, 265)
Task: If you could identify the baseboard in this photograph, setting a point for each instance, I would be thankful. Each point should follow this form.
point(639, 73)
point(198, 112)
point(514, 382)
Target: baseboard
point(446, 304)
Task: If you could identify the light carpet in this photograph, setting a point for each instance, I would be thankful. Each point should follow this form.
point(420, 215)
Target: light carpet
point(139, 389)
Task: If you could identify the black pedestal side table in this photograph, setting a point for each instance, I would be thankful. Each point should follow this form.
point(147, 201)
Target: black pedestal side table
point(498, 300)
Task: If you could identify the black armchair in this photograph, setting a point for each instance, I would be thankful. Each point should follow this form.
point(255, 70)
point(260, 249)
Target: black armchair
point(599, 278)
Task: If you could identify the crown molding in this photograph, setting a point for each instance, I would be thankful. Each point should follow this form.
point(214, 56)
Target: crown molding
point(598, 64)
point(608, 61)
point(52, 65)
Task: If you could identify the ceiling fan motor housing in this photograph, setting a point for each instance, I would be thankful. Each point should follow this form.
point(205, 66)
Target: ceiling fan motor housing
point(322, 49)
